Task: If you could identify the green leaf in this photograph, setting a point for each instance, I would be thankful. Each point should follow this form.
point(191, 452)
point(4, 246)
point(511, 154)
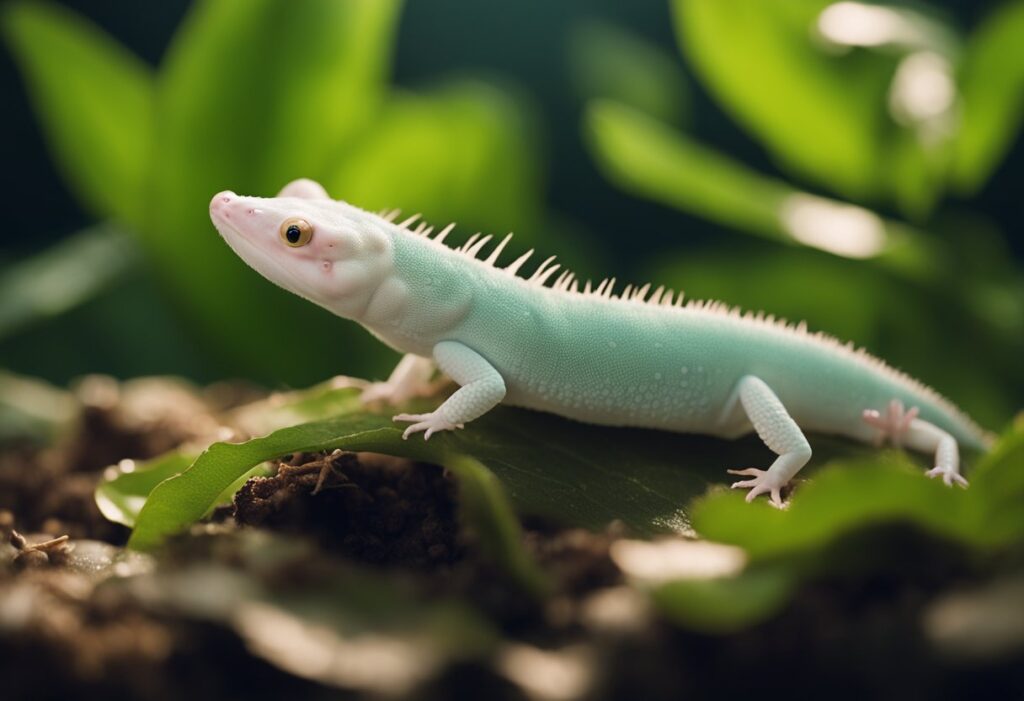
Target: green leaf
point(992, 80)
point(727, 604)
point(63, 277)
point(252, 94)
point(181, 500)
point(124, 488)
point(815, 111)
point(95, 101)
point(647, 157)
point(607, 62)
point(458, 153)
point(255, 93)
point(999, 485)
point(844, 498)
point(122, 492)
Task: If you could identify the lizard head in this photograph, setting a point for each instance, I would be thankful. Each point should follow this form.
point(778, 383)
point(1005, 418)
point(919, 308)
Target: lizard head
point(328, 252)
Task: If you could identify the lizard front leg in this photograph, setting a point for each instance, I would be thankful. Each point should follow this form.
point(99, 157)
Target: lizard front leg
point(409, 379)
point(481, 388)
point(779, 432)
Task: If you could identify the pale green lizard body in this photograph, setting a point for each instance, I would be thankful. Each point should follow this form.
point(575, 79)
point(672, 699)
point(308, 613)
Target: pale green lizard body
point(636, 358)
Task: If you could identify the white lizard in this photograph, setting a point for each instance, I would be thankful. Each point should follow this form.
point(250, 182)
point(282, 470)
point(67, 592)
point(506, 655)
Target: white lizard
point(639, 357)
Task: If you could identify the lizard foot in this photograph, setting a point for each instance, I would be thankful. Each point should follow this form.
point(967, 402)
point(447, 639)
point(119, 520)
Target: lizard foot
point(893, 424)
point(763, 482)
point(429, 423)
point(949, 477)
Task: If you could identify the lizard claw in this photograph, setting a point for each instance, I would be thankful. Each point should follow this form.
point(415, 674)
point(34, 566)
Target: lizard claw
point(763, 482)
point(428, 423)
point(949, 477)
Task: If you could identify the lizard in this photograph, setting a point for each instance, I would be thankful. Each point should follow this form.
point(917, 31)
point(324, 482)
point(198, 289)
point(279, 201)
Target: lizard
point(638, 357)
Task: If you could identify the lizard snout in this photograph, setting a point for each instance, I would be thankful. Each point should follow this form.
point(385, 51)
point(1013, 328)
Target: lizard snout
point(220, 205)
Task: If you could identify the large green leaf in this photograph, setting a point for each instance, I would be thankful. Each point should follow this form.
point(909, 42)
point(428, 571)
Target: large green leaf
point(95, 101)
point(992, 81)
point(255, 93)
point(458, 153)
point(577, 473)
point(252, 95)
point(181, 500)
point(573, 473)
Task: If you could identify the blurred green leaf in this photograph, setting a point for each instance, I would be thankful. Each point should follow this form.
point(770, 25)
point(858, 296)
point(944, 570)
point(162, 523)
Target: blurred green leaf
point(63, 277)
point(727, 604)
point(817, 112)
point(999, 481)
point(992, 80)
point(607, 62)
point(852, 495)
point(95, 101)
point(647, 157)
point(844, 499)
point(467, 142)
point(840, 499)
point(33, 410)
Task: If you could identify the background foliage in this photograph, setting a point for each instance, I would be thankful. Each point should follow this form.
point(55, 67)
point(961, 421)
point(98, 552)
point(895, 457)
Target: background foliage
point(565, 139)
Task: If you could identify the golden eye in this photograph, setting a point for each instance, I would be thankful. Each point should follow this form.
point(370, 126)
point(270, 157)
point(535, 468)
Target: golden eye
point(296, 232)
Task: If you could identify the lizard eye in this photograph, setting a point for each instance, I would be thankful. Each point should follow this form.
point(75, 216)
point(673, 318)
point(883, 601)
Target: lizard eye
point(296, 232)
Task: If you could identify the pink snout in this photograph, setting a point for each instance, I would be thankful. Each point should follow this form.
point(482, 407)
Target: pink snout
point(220, 203)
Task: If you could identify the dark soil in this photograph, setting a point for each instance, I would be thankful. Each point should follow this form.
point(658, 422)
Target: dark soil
point(371, 508)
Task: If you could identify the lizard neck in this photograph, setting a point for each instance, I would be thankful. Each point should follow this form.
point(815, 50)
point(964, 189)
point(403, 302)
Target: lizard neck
point(426, 295)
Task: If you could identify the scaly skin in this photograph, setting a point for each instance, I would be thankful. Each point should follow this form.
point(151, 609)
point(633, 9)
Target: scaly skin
point(632, 359)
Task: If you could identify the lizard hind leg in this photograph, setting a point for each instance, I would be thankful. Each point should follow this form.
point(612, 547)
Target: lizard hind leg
point(903, 428)
point(779, 432)
point(411, 378)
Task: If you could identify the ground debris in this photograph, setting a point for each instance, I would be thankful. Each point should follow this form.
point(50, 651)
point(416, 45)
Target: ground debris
point(52, 489)
point(372, 508)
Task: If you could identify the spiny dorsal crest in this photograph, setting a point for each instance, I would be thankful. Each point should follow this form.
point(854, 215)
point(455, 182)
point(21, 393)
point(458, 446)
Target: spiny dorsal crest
point(567, 281)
